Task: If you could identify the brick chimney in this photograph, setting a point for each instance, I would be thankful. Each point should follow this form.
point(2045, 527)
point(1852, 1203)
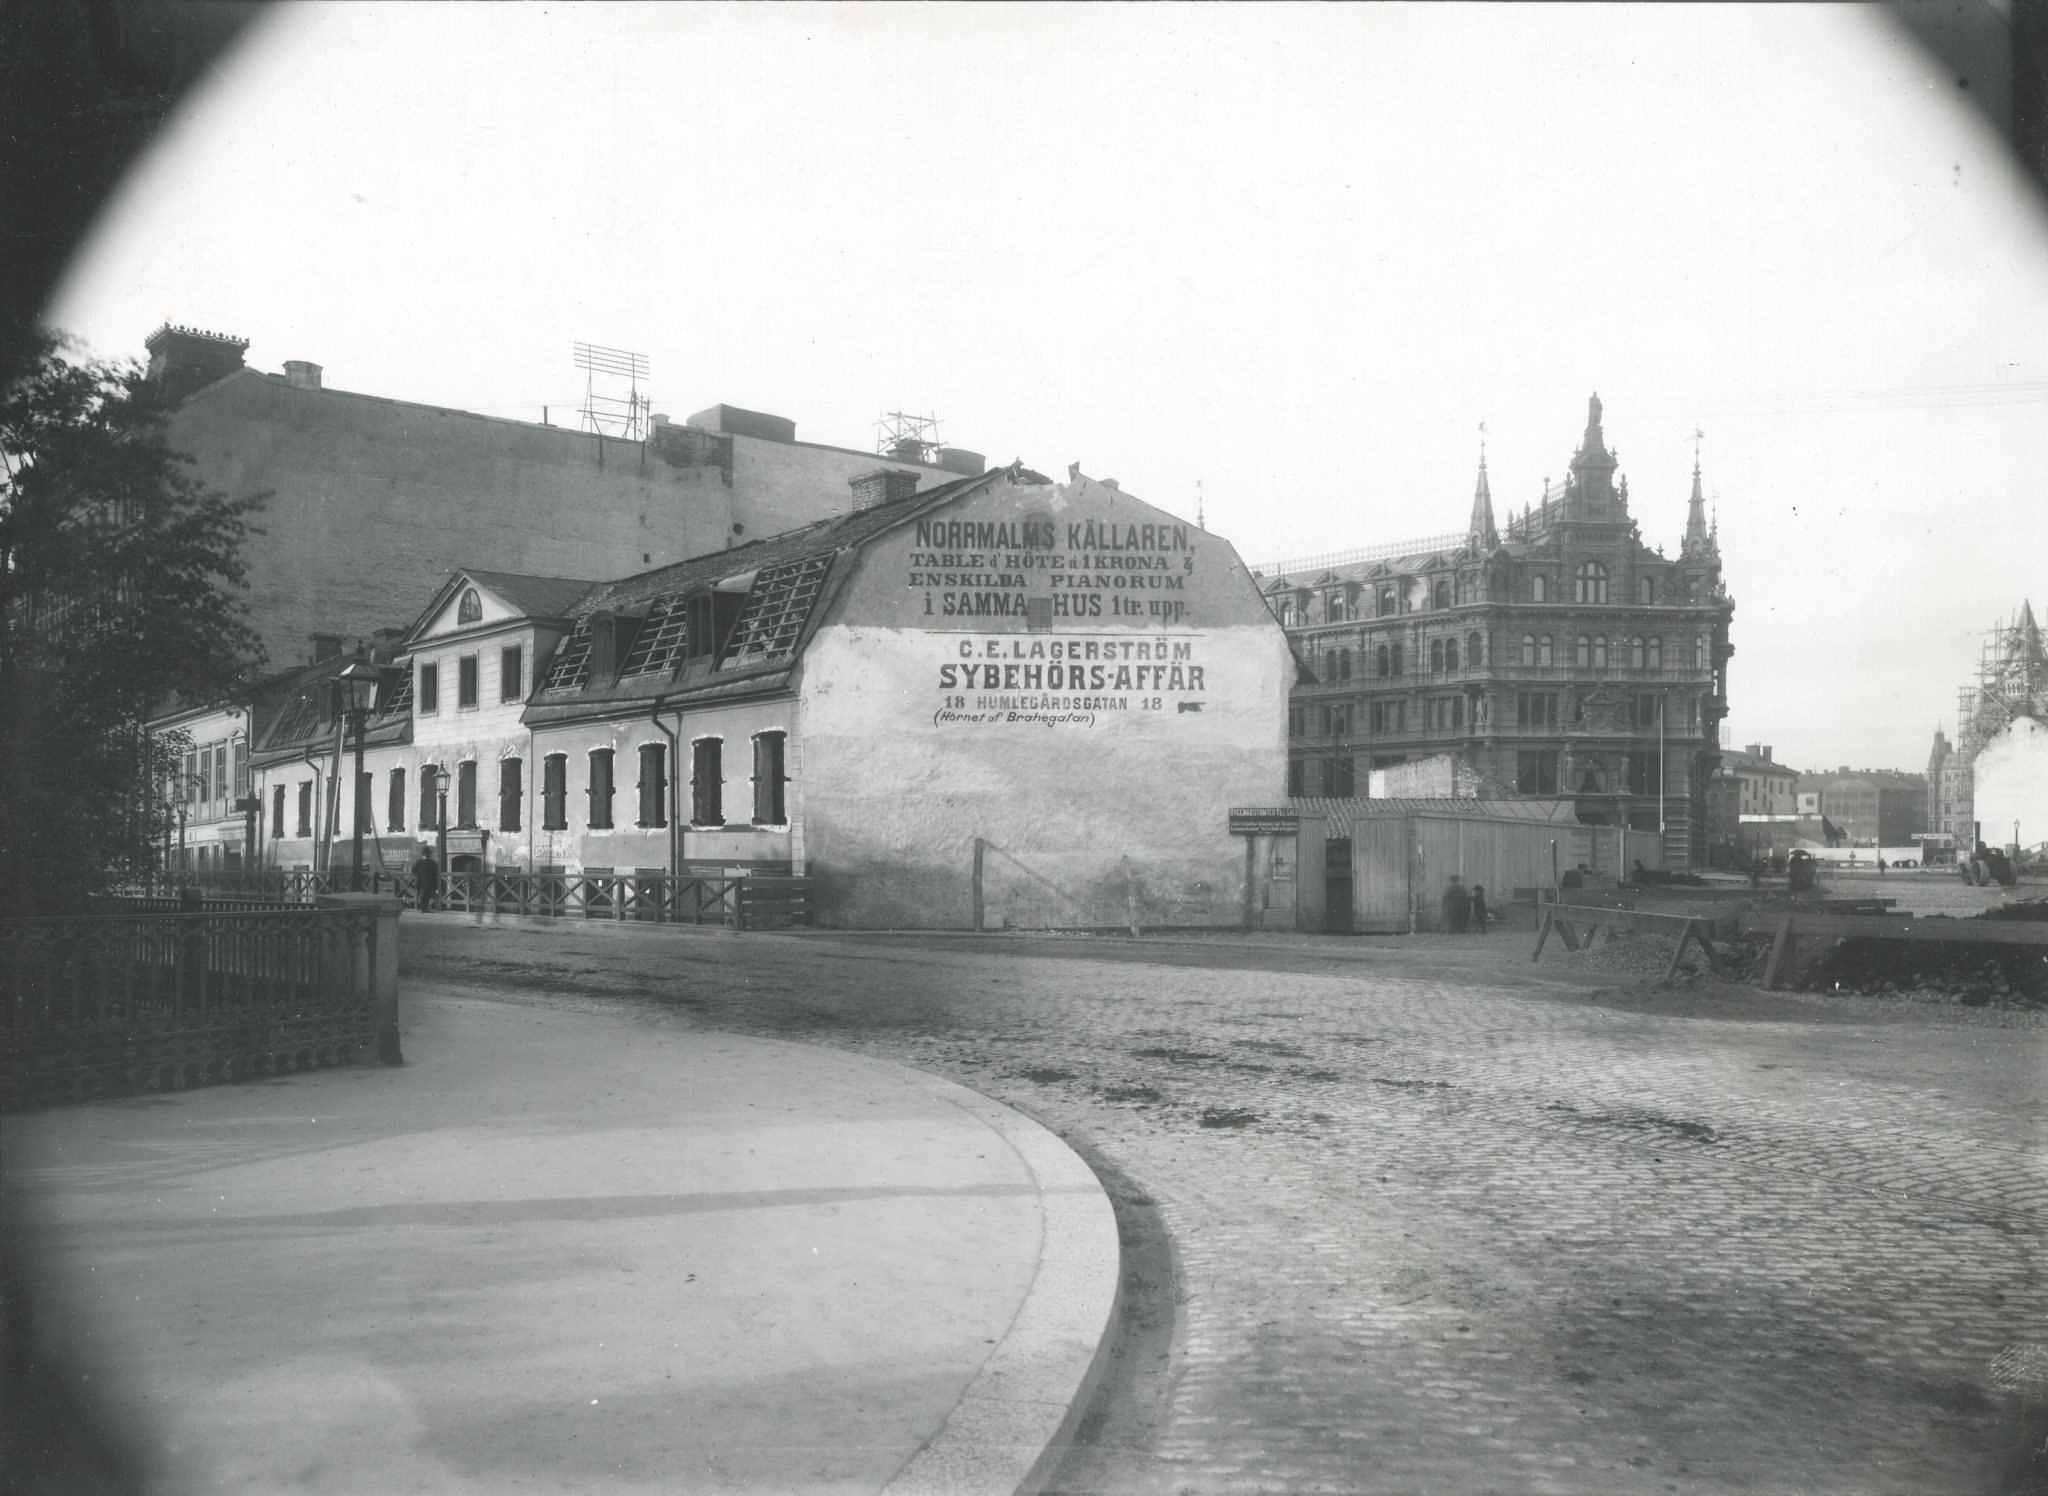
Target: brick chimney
point(301, 375)
point(326, 647)
point(882, 486)
point(183, 359)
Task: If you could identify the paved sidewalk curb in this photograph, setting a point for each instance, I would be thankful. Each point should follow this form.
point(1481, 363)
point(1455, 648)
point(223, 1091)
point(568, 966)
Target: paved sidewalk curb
point(1015, 1422)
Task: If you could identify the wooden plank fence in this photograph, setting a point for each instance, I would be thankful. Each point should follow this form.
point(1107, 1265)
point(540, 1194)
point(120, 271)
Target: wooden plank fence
point(1787, 929)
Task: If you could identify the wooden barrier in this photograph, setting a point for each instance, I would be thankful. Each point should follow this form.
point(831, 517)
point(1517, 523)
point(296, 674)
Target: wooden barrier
point(1790, 928)
point(1567, 918)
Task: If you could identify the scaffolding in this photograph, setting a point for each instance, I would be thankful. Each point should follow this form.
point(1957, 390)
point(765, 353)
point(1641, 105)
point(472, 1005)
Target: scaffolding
point(2011, 681)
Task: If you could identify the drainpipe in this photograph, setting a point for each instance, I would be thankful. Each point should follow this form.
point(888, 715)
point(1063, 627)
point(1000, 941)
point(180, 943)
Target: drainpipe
point(675, 830)
point(319, 808)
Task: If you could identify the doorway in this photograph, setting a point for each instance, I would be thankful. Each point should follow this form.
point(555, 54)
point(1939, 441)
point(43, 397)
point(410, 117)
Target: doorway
point(1337, 904)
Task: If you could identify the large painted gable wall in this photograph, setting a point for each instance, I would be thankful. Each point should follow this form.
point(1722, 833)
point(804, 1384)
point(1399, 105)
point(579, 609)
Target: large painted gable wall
point(1096, 756)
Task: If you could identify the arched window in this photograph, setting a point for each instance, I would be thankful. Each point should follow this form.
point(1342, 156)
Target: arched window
point(1600, 652)
point(1436, 656)
point(1343, 664)
point(471, 608)
point(1592, 582)
point(1397, 659)
point(1584, 657)
point(1286, 614)
point(1656, 654)
point(1381, 661)
point(1543, 650)
point(1645, 593)
point(1539, 589)
point(1635, 653)
point(1451, 653)
point(1528, 649)
point(1473, 651)
point(1440, 595)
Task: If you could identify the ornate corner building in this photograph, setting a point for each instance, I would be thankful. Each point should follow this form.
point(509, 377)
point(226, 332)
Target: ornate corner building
point(1559, 655)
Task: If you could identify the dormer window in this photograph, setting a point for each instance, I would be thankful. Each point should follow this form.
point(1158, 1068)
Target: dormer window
point(471, 608)
point(697, 630)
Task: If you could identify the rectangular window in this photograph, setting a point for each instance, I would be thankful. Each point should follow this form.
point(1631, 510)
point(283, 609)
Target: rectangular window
point(465, 681)
point(394, 809)
point(511, 673)
point(305, 808)
point(1297, 721)
point(220, 772)
point(428, 696)
point(366, 789)
point(600, 789)
point(191, 778)
point(1294, 776)
point(768, 779)
point(205, 775)
point(241, 771)
point(429, 792)
point(277, 812)
point(1536, 771)
point(1647, 708)
point(707, 782)
point(465, 793)
point(511, 791)
point(1536, 708)
point(653, 784)
point(1642, 773)
point(554, 792)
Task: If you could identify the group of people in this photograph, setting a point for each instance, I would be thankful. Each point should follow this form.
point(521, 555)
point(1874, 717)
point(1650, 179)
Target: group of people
point(1464, 911)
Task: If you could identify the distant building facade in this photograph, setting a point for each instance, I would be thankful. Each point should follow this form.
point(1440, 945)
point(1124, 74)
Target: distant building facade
point(372, 500)
point(1869, 807)
point(1763, 786)
point(1559, 655)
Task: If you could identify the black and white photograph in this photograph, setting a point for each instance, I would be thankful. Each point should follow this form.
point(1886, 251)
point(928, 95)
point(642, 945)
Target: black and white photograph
point(890, 749)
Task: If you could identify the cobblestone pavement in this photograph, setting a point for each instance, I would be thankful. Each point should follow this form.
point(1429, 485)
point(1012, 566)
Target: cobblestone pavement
point(1426, 1222)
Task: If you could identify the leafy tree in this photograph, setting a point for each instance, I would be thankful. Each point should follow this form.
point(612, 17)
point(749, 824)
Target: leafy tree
point(120, 580)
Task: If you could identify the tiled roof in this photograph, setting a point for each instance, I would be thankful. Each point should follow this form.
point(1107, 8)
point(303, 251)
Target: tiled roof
point(1342, 812)
point(784, 576)
point(635, 593)
point(534, 597)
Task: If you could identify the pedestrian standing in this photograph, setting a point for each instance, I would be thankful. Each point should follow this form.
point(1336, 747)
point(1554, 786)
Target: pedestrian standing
point(426, 882)
point(1478, 909)
point(1457, 907)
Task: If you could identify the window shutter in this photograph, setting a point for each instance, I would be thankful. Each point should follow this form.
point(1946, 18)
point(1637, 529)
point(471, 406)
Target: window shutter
point(509, 794)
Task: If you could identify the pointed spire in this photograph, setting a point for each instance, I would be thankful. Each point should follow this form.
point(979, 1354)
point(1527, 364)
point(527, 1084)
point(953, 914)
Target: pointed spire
point(1696, 533)
point(1481, 531)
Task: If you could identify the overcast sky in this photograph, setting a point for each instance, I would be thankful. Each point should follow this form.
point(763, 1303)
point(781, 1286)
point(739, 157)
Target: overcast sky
point(1295, 254)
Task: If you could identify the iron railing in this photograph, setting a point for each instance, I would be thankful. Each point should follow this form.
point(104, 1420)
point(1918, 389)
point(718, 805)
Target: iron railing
point(749, 902)
point(146, 999)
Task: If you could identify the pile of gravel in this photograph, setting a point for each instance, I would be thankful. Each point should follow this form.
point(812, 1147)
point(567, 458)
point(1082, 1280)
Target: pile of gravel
point(1635, 953)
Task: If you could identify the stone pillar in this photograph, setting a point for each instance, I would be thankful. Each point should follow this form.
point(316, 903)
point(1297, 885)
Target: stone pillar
point(372, 963)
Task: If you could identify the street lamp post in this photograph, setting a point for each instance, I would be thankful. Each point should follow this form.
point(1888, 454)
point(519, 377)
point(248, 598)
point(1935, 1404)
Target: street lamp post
point(358, 686)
